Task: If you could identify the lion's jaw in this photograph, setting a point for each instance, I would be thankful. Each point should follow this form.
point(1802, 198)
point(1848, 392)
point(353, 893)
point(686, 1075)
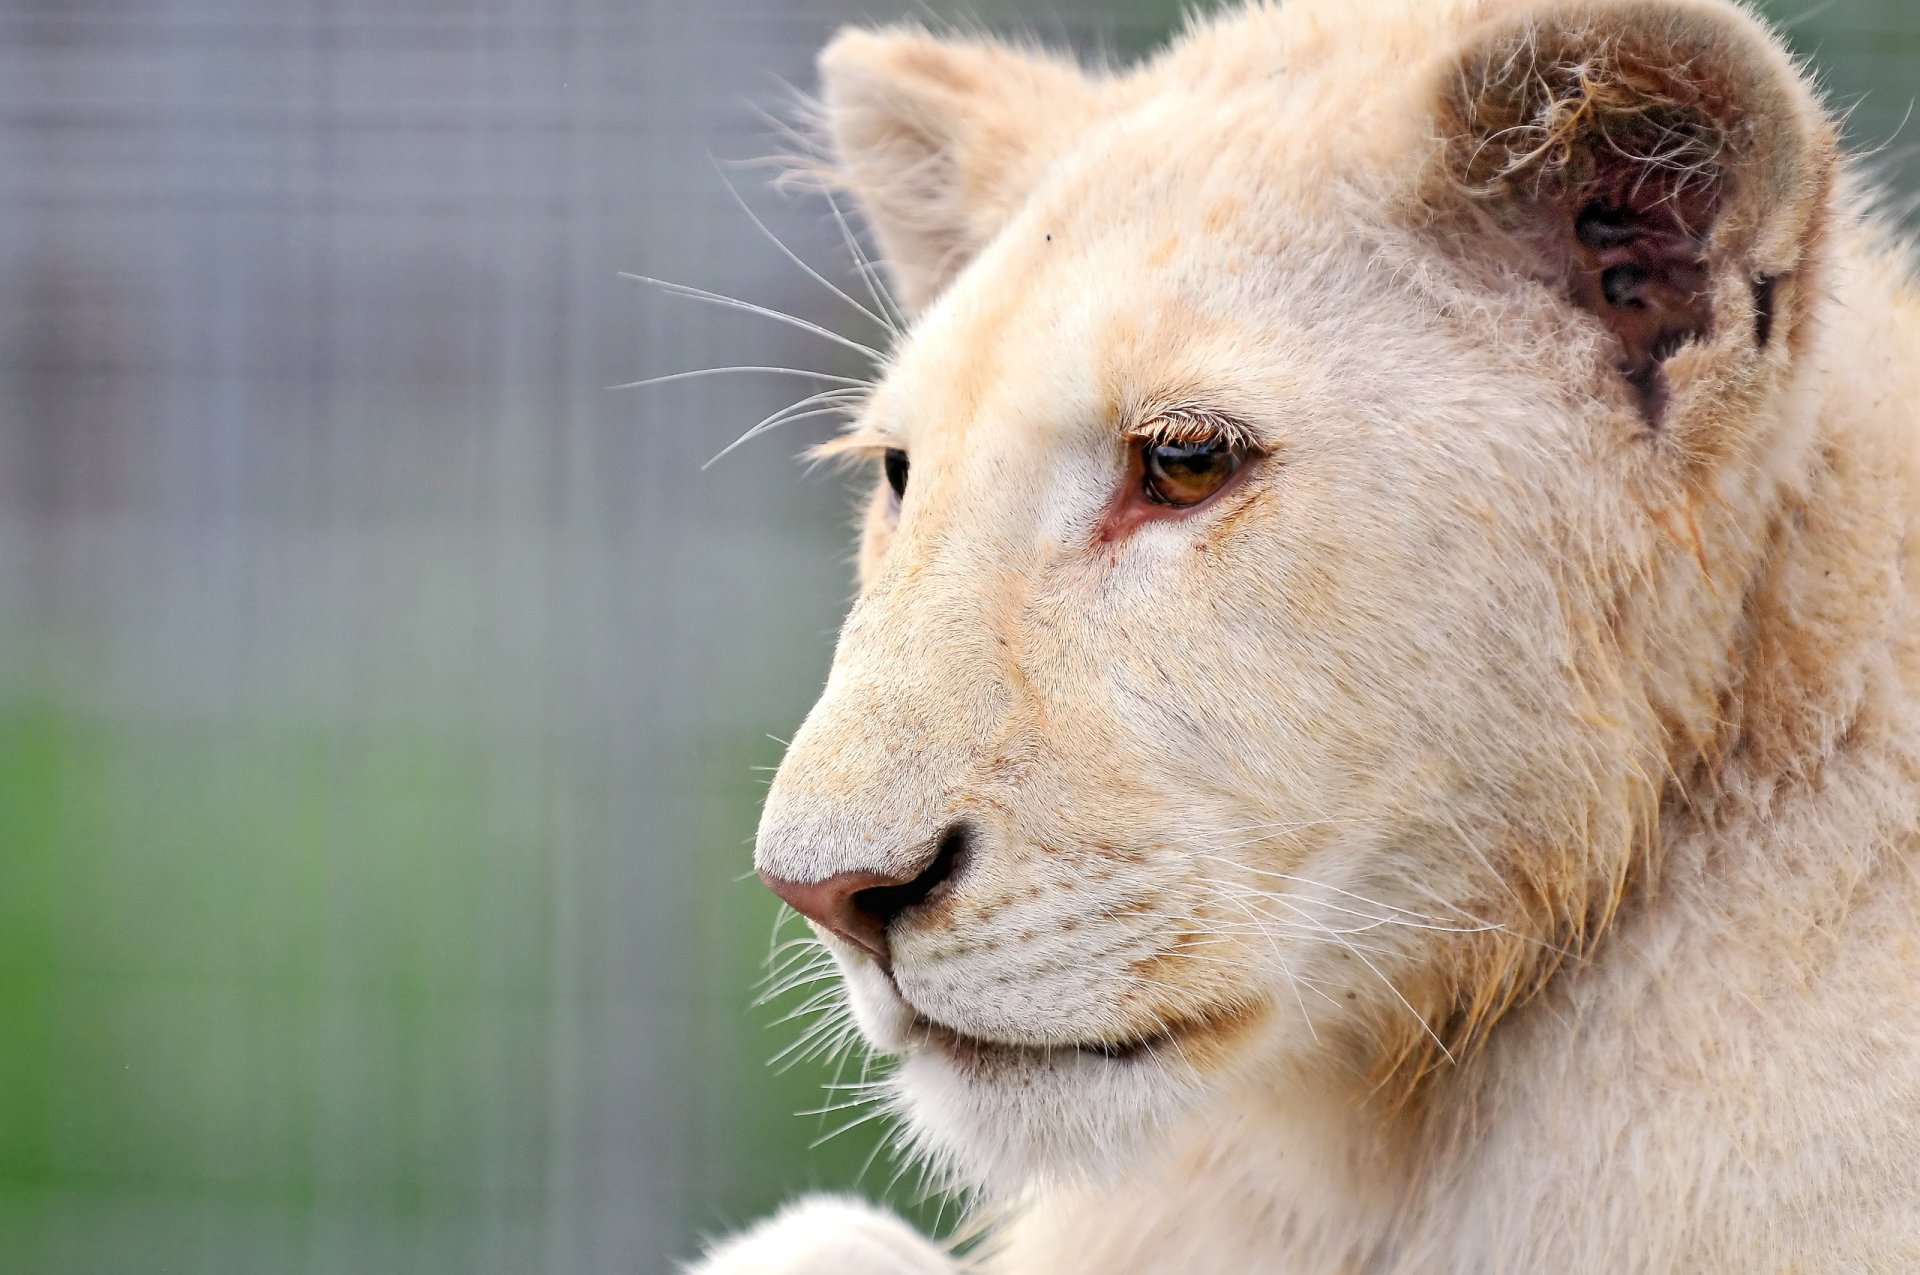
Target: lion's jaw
point(1318, 778)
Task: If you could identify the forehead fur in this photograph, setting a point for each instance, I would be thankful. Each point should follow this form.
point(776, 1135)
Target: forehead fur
point(1142, 238)
point(1161, 251)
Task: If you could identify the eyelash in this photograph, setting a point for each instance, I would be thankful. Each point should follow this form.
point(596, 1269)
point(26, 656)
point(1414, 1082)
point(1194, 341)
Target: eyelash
point(1194, 429)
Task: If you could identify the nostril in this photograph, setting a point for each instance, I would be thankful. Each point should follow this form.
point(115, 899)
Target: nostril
point(859, 906)
point(882, 903)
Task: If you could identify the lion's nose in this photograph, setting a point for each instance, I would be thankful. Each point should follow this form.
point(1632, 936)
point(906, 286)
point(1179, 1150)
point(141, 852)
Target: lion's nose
point(860, 906)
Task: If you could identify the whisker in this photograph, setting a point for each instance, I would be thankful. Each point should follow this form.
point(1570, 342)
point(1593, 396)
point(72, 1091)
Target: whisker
point(794, 257)
point(797, 966)
point(876, 286)
point(1295, 980)
point(838, 1046)
point(804, 146)
point(1282, 827)
point(804, 951)
point(879, 1145)
point(817, 1001)
point(784, 416)
point(866, 1086)
point(825, 401)
point(782, 947)
point(735, 303)
point(839, 1069)
point(907, 1161)
point(1267, 925)
point(813, 978)
point(718, 371)
point(1374, 922)
point(1438, 922)
point(1385, 981)
point(823, 1033)
point(833, 1107)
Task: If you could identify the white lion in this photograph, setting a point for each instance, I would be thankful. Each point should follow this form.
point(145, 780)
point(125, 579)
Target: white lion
point(1379, 731)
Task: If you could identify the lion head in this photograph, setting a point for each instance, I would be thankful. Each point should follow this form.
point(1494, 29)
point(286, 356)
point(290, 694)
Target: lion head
point(1314, 502)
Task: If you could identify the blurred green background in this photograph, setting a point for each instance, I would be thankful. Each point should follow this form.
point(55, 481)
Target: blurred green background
point(380, 695)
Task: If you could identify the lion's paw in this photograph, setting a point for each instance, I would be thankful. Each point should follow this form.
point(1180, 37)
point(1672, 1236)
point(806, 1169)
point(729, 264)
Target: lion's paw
point(827, 1235)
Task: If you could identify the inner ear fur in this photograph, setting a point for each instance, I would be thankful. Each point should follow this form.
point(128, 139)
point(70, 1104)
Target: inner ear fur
point(940, 140)
point(1661, 164)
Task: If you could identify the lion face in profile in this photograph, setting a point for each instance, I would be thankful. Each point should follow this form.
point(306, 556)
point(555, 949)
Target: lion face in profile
point(1314, 493)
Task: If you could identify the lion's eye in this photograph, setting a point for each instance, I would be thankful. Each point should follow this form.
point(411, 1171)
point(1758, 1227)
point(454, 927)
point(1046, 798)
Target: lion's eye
point(896, 467)
point(1187, 473)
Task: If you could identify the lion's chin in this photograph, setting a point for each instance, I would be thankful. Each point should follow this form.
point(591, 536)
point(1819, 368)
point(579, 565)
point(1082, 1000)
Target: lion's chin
point(1003, 1115)
point(1006, 1116)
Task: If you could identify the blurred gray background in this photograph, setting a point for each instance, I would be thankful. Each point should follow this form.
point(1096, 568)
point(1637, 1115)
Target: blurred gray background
point(380, 694)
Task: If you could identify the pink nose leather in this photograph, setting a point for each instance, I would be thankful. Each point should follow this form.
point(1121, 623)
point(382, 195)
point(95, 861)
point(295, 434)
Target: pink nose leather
point(835, 905)
point(859, 905)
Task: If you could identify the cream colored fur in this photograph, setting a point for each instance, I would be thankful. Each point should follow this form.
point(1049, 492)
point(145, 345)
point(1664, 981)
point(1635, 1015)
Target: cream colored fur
point(1505, 804)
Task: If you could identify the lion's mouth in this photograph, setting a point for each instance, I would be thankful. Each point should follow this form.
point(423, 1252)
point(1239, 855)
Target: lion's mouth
point(1171, 1041)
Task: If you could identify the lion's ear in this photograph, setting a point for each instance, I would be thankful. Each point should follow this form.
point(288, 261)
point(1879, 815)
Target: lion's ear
point(940, 140)
point(1662, 164)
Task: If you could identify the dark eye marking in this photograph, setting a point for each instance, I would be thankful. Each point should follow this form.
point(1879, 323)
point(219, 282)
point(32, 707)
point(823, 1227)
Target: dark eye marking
point(896, 466)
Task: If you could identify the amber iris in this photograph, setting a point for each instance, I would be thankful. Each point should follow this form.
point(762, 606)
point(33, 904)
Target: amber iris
point(1179, 474)
point(896, 467)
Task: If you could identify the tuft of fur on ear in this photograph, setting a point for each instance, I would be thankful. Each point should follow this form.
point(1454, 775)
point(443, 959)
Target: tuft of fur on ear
point(940, 140)
point(1663, 165)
